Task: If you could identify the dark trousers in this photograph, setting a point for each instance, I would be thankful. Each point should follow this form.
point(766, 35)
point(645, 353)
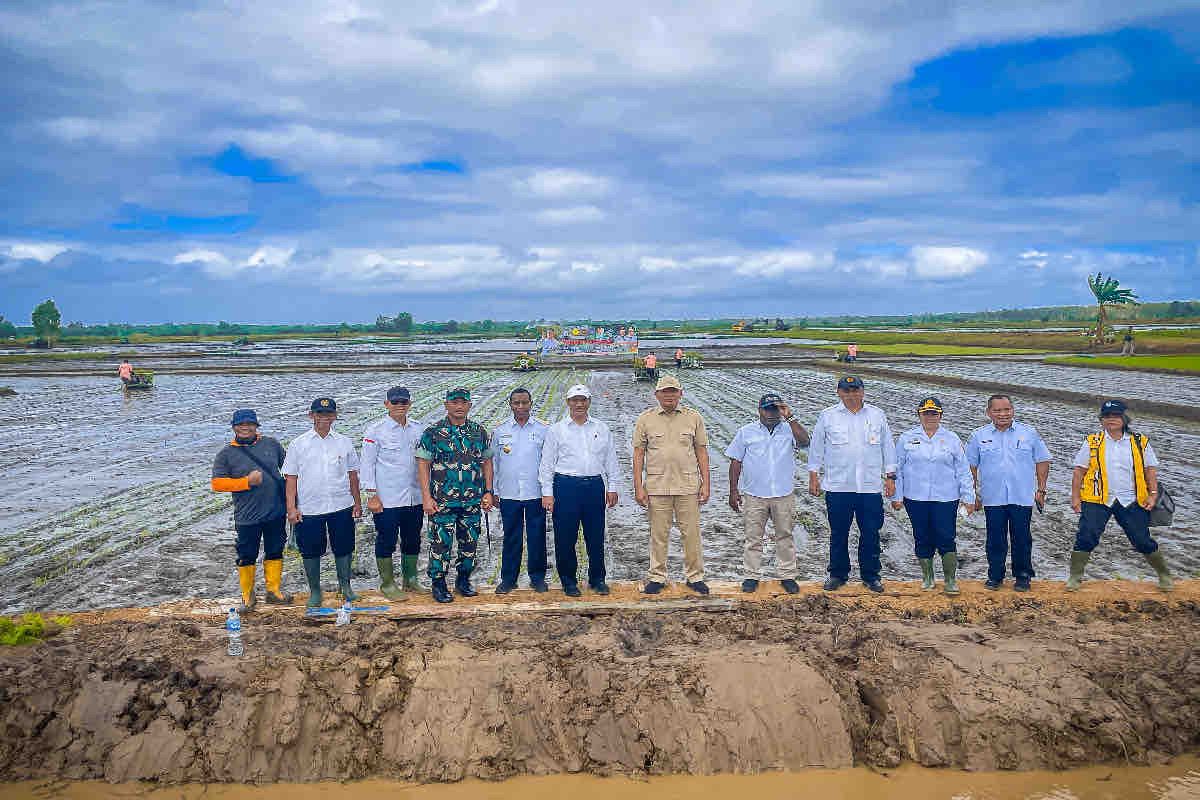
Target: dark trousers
point(1005, 523)
point(271, 534)
point(1133, 519)
point(523, 518)
point(844, 508)
point(578, 501)
point(400, 522)
point(934, 524)
point(336, 528)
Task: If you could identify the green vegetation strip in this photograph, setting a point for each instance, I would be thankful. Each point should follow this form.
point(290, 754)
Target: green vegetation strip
point(911, 349)
point(1180, 364)
point(30, 628)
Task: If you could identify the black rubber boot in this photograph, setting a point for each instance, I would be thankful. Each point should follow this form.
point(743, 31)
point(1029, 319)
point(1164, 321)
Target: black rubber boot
point(462, 585)
point(440, 593)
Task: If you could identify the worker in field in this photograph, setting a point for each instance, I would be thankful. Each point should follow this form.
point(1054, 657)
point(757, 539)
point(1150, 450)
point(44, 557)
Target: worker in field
point(678, 357)
point(853, 459)
point(516, 459)
point(670, 480)
point(125, 372)
point(932, 478)
point(1115, 475)
point(1010, 464)
point(389, 477)
point(321, 470)
point(454, 467)
point(851, 352)
point(248, 468)
point(578, 474)
point(762, 483)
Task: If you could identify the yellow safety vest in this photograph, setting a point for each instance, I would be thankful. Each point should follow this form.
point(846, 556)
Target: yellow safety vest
point(1095, 482)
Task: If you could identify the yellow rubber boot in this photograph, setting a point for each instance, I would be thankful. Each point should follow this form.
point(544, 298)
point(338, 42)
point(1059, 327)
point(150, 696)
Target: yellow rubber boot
point(273, 577)
point(246, 581)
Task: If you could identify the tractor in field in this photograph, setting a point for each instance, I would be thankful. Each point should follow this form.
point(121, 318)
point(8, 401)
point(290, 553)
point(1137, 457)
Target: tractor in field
point(691, 360)
point(525, 362)
point(141, 379)
point(641, 372)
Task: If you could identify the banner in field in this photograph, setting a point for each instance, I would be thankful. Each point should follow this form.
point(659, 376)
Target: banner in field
point(588, 339)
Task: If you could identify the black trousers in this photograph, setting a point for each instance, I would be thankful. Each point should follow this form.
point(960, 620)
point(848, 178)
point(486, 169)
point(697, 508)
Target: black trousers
point(316, 530)
point(578, 501)
point(934, 524)
point(399, 522)
point(271, 534)
point(1133, 519)
point(843, 509)
point(1005, 523)
point(523, 520)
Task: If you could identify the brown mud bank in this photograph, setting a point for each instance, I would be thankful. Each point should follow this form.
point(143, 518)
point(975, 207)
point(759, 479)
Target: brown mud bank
point(495, 688)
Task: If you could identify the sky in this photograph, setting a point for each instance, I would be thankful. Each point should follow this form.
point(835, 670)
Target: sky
point(294, 161)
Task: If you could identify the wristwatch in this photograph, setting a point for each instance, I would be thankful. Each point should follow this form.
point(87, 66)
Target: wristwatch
point(891, 476)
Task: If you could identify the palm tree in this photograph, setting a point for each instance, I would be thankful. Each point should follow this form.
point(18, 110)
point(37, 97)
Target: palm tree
point(1108, 293)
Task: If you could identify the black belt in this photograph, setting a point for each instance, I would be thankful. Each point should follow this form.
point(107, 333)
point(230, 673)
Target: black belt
point(558, 475)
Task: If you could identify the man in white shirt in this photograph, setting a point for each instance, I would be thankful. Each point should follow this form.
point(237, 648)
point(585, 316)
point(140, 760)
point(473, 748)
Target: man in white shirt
point(517, 457)
point(1115, 475)
point(321, 472)
point(852, 445)
point(389, 476)
point(762, 463)
point(578, 476)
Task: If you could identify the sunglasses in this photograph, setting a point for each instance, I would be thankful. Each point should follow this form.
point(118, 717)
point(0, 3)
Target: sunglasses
point(402, 402)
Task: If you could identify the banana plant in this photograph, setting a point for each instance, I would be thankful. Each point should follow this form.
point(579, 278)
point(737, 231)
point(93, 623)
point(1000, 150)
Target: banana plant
point(1107, 292)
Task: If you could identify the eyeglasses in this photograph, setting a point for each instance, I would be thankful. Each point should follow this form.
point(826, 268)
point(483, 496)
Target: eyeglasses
point(400, 402)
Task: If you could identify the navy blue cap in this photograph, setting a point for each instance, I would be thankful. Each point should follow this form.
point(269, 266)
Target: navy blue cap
point(850, 382)
point(1112, 407)
point(769, 400)
point(323, 405)
point(244, 415)
point(398, 393)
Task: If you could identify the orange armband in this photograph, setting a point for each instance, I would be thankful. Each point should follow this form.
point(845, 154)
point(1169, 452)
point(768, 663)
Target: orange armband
point(230, 484)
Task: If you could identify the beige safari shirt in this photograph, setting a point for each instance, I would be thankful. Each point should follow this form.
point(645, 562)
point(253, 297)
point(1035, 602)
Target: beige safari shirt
point(669, 441)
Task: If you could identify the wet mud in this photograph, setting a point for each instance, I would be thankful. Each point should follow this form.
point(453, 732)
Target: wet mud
point(984, 682)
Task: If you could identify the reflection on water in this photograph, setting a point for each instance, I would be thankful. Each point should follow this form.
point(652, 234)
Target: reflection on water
point(1178, 781)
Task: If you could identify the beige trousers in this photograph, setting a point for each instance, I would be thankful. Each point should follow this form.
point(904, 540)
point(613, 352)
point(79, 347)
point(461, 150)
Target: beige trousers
point(755, 512)
point(684, 511)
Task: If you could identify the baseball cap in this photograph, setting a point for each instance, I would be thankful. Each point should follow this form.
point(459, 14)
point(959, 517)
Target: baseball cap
point(579, 390)
point(323, 405)
point(1112, 407)
point(244, 415)
point(667, 382)
point(458, 393)
point(769, 400)
point(850, 382)
point(930, 404)
point(398, 393)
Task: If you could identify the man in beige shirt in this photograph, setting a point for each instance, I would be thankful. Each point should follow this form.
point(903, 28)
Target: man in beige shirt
point(670, 446)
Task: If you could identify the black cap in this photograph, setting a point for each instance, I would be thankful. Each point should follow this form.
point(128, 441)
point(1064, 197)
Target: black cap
point(769, 400)
point(323, 405)
point(243, 415)
point(850, 382)
point(1113, 407)
point(398, 393)
point(930, 404)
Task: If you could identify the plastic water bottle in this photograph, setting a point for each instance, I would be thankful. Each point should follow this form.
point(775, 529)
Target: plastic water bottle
point(233, 624)
point(343, 617)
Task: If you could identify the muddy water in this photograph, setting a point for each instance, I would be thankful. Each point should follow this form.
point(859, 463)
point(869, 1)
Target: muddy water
point(107, 499)
point(1178, 781)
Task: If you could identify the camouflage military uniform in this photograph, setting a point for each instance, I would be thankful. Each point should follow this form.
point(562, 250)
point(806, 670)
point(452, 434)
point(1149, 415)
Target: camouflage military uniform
point(455, 454)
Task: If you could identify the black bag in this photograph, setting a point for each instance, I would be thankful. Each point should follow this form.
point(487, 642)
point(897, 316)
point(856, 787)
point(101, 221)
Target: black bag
point(1163, 512)
point(270, 473)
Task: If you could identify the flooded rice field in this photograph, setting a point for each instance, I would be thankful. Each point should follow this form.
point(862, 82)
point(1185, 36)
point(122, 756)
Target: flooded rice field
point(108, 503)
point(1129, 385)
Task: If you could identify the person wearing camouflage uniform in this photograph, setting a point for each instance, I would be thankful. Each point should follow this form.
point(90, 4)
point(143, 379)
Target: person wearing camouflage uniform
point(454, 467)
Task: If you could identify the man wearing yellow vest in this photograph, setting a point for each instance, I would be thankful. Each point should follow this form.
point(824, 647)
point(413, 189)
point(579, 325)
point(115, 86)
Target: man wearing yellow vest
point(1116, 475)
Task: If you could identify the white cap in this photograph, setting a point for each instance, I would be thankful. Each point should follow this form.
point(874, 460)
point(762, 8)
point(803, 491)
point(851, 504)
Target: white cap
point(578, 390)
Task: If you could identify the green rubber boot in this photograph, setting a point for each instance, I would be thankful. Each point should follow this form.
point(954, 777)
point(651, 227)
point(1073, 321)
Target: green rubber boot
point(950, 569)
point(926, 574)
point(343, 574)
point(1079, 559)
point(1160, 566)
point(408, 564)
point(312, 571)
point(387, 579)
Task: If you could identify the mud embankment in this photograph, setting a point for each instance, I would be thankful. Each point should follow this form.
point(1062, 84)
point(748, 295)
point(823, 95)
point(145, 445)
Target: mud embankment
point(991, 681)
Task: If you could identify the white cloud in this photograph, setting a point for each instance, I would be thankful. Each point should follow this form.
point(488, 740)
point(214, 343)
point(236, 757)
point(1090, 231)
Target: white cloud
point(946, 262)
point(571, 183)
point(125, 130)
point(571, 215)
point(585, 266)
point(271, 257)
point(775, 263)
point(35, 251)
point(1035, 257)
point(208, 257)
point(658, 264)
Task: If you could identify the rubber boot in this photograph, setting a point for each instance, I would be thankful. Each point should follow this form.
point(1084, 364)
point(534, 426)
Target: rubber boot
point(462, 584)
point(273, 576)
point(312, 571)
point(1079, 559)
point(343, 575)
point(1160, 566)
point(926, 574)
point(408, 564)
point(950, 570)
point(387, 579)
point(246, 583)
point(440, 593)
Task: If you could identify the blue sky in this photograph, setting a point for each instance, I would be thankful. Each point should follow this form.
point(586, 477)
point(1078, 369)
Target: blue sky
point(284, 162)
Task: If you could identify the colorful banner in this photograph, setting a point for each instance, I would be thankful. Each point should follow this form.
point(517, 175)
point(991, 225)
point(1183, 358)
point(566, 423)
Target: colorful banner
point(588, 340)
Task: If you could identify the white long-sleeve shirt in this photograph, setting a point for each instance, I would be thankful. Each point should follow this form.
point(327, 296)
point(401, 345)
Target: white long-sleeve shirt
point(933, 468)
point(854, 450)
point(517, 458)
point(580, 450)
point(322, 467)
point(1118, 467)
point(389, 464)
